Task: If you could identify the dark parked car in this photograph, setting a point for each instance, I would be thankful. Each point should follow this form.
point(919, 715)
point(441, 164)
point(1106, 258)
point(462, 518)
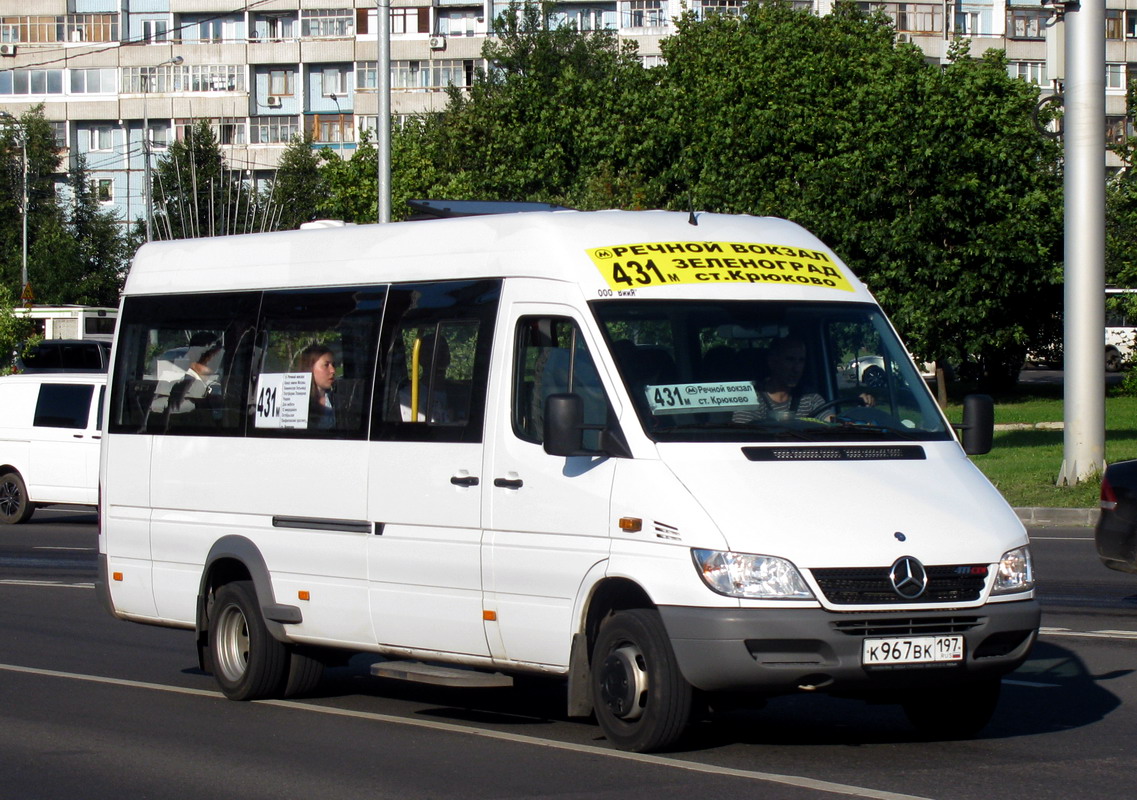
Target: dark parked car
point(1116, 533)
point(66, 355)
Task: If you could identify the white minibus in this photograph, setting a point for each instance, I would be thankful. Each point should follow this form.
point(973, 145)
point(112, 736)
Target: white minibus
point(621, 449)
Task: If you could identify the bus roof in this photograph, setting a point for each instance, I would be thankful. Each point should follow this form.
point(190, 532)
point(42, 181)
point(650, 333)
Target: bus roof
point(607, 253)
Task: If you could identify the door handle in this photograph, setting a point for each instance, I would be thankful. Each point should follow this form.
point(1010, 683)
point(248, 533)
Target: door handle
point(464, 480)
point(506, 483)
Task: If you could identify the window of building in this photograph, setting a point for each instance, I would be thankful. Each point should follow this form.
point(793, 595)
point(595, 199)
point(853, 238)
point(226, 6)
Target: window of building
point(435, 361)
point(1026, 23)
point(155, 30)
point(94, 81)
point(331, 128)
point(31, 81)
point(432, 75)
point(1115, 77)
point(274, 27)
point(365, 75)
point(1030, 71)
point(461, 22)
point(1114, 27)
point(101, 137)
point(730, 7)
point(103, 189)
point(273, 130)
point(228, 130)
point(58, 133)
point(159, 135)
point(1116, 130)
point(410, 20)
point(280, 82)
point(644, 13)
point(334, 81)
point(326, 22)
point(1131, 24)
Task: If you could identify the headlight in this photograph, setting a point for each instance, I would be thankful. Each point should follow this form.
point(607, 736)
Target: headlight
point(745, 575)
point(1014, 572)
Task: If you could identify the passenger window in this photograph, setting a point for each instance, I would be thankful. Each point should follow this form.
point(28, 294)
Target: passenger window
point(314, 360)
point(183, 364)
point(552, 358)
point(435, 361)
point(63, 405)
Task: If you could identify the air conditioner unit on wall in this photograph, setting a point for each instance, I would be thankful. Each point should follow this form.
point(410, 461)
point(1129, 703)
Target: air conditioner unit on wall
point(7, 49)
point(437, 42)
point(273, 102)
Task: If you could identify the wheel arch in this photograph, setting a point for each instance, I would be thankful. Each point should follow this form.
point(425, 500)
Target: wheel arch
point(237, 558)
point(606, 597)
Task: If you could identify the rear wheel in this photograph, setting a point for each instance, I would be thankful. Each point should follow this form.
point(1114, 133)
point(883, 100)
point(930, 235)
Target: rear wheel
point(14, 504)
point(248, 663)
point(642, 701)
point(956, 713)
point(1112, 360)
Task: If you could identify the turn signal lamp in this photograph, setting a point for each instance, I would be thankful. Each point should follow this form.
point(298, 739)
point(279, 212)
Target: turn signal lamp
point(631, 524)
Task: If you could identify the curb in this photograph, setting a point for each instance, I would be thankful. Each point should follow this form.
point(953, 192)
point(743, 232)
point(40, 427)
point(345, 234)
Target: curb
point(1058, 517)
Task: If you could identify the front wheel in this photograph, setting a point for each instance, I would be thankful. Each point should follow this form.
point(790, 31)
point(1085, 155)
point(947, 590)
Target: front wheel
point(14, 504)
point(642, 701)
point(956, 713)
point(248, 663)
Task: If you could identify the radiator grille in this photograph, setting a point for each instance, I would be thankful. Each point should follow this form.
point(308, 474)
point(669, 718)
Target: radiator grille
point(852, 586)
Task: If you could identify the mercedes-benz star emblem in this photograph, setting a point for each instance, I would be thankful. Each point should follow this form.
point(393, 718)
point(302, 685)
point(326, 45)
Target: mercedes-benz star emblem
point(909, 578)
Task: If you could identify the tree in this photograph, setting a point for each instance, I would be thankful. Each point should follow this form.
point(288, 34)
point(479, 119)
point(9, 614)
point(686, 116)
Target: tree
point(561, 117)
point(44, 212)
point(933, 184)
point(296, 191)
point(195, 193)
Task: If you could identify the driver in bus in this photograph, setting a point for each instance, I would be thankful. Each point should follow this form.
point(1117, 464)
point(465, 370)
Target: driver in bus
point(780, 395)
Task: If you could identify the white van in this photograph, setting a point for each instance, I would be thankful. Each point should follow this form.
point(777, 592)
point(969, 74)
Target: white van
point(49, 441)
point(554, 444)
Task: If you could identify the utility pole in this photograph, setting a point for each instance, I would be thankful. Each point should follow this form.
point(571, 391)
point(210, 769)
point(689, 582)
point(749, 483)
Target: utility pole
point(1084, 301)
point(383, 113)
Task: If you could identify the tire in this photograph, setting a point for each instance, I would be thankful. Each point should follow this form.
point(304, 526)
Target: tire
point(1112, 360)
point(642, 701)
point(874, 377)
point(954, 713)
point(304, 673)
point(15, 507)
point(248, 663)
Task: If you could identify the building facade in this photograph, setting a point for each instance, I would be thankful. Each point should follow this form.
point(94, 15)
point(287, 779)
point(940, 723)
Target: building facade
point(261, 71)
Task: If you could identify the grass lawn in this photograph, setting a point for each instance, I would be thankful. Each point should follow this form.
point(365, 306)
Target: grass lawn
point(1024, 464)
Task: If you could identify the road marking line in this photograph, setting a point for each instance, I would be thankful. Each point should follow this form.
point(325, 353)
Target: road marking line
point(663, 761)
point(1124, 635)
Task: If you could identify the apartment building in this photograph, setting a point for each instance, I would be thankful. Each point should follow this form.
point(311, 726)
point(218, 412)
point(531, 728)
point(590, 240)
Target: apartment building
point(261, 71)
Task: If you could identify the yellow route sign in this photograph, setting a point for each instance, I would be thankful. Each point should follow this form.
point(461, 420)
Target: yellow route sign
point(641, 266)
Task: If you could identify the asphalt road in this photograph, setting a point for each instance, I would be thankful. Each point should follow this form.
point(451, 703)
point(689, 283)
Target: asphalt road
point(93, 707)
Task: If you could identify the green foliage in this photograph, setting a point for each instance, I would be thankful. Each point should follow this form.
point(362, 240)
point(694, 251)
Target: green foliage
point(76, 250)
point(349, 184)
point(14, 331)
point(298, 187)
point(195, 193)
point(933, 184)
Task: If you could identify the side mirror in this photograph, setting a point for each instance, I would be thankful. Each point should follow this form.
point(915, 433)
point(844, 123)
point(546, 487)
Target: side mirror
point(564, 424)
point(978, 426)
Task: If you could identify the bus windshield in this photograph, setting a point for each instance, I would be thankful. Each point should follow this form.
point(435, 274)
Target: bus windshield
point(768, 371)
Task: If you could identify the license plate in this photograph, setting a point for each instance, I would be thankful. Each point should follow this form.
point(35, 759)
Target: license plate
point(912, 650)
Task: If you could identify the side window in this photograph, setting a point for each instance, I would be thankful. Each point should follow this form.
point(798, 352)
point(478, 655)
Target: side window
point(183, 364)
point(63, 405)
point(435, 361)
point(313, 362)
point(552, 358)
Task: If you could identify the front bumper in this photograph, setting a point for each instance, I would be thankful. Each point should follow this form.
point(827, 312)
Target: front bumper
point(781, 650)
